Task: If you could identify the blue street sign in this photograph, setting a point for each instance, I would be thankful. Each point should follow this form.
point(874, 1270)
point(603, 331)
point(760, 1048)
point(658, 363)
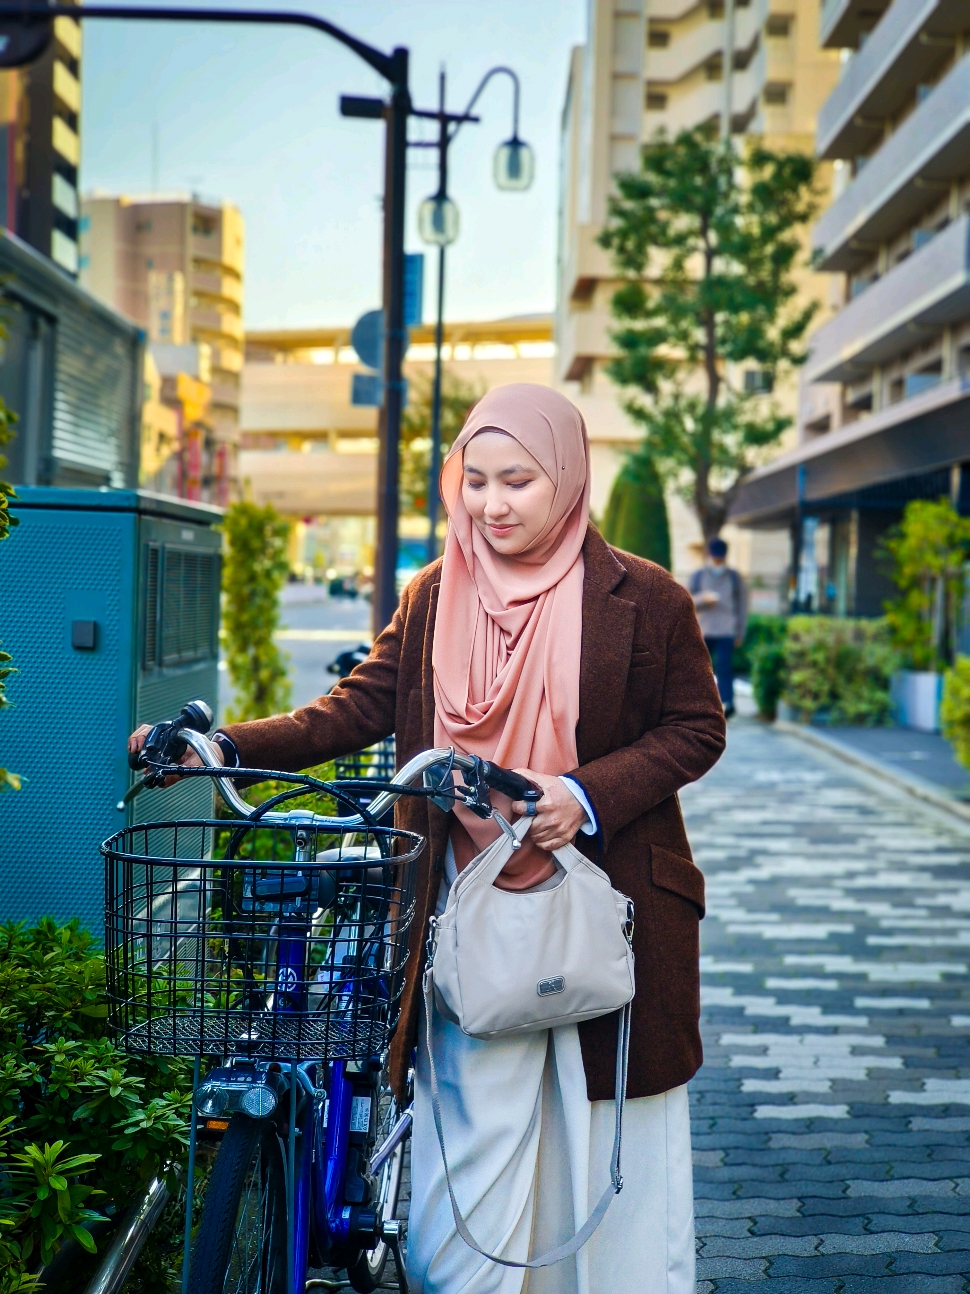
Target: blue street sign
point(367, 389)
point(413, 289)
point(367, 339)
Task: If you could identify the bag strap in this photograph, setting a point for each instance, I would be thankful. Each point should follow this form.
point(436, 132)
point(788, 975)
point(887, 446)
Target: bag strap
point(573, 1245)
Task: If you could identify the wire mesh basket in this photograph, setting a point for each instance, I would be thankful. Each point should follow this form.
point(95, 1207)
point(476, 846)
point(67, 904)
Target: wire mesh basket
point(256, 939)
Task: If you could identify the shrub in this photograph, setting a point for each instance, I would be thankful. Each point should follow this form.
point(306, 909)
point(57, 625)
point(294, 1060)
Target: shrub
point(254, 570)
point(770, 630)
point(83, 1127)
point(636, 513)
point(955, 709)
point(838, 670)
point(930, 549)
point(768, 677)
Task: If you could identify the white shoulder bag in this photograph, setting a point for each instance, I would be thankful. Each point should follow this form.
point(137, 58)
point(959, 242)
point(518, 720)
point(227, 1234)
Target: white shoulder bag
point(505, 962)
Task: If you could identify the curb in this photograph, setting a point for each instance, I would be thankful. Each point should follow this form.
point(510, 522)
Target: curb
point(916, 787)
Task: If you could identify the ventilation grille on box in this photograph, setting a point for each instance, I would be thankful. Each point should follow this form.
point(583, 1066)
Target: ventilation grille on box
point(181, 606)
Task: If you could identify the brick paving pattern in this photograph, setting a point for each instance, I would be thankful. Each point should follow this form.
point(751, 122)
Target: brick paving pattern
point(831, 1120)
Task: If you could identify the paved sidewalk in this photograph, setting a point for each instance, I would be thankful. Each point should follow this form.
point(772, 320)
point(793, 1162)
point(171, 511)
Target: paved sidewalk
point(831, 1121)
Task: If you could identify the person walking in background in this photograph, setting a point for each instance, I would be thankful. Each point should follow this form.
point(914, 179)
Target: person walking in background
point(721, 600)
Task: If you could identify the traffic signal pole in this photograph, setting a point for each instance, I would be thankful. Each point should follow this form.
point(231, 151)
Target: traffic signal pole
point(395, 344)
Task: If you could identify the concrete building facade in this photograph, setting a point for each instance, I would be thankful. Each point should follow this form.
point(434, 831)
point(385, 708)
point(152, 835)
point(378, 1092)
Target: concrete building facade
point(651, 65)
point(885, 400)
point(175, 266)
point(40, 148)
point(310, 452)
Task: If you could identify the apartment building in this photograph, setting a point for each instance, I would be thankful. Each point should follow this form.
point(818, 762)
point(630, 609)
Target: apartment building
point(40, 148)
point(174, 264)
point(885, 401)
point(651, 65)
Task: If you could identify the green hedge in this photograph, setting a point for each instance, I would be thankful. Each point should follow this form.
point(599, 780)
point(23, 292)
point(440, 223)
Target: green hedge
point(838, 670)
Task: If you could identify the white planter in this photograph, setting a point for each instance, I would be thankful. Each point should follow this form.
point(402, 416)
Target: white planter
point(916, 697)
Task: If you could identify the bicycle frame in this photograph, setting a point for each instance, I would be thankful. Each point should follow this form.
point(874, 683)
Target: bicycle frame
point(332, 1107)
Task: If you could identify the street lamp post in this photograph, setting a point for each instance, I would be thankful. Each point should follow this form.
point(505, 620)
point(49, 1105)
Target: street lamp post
point(438, 224)
point(25, 32)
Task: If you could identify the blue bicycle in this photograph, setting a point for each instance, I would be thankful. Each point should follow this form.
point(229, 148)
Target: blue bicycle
point(273, 943)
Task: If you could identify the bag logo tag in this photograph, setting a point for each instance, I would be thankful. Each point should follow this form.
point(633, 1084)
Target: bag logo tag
point(555, 985)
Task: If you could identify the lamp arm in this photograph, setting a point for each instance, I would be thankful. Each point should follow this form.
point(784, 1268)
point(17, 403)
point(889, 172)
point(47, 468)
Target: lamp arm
point(507, 71)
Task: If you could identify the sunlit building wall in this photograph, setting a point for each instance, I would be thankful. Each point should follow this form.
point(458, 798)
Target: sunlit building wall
point(650, 65)
point(174, 264)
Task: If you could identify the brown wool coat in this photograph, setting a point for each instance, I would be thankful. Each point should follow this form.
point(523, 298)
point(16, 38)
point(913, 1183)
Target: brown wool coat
point(649, 721)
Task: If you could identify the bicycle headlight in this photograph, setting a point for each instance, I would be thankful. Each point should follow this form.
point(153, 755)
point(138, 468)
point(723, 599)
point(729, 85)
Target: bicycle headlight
point(258, 1102)
point(211, 1100)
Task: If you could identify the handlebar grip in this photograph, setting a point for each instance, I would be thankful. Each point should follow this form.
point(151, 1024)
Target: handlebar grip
point(508, 783)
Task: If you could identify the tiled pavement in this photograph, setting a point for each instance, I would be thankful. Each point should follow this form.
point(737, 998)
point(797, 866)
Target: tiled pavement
point(831, 1120)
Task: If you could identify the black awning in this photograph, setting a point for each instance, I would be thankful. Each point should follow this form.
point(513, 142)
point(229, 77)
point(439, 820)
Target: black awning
point(916, 447)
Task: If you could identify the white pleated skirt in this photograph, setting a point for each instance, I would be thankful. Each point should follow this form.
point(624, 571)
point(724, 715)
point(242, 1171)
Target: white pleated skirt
point(529, 1158)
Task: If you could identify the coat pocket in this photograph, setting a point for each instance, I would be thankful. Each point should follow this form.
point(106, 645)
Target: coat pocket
point(677, 906)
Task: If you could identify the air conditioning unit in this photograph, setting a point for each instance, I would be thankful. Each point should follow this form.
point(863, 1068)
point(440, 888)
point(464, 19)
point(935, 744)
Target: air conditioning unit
point(109, 604)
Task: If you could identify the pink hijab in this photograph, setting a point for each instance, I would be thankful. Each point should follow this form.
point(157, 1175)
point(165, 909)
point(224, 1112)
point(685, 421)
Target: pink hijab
point(508, 630)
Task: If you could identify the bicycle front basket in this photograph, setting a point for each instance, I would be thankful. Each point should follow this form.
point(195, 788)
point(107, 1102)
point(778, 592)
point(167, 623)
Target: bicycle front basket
point(251, 939)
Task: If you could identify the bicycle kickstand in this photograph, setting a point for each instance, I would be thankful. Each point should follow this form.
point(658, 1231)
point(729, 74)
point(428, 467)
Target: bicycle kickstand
point(392, 1230)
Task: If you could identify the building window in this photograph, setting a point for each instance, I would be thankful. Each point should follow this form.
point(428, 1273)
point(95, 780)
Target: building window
point(776, 93)
point(658, 38)
point(758, 381)
point(923, 92)
point(714, 70)
point(656, 102)
point(778, 25)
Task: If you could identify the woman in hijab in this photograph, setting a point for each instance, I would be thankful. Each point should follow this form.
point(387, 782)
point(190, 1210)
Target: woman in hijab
point(534, 644)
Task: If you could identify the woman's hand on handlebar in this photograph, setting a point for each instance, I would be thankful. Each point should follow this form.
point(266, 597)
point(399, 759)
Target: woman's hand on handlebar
point(559, 815)
point(189, 758)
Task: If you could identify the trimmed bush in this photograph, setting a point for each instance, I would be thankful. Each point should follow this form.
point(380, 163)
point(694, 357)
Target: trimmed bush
point(838, 670)
point(955, 709)
point(768, 677)
point(636, 514)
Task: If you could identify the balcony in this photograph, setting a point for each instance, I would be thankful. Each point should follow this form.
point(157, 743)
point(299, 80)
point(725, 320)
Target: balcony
point(706, 101)
point(843, 22)
point(924, 294)
point(902, 179)
point(703, 44)
point(881, 79)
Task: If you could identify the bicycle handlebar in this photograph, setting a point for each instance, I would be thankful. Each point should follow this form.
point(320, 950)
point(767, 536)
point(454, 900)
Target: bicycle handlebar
point(168, 742)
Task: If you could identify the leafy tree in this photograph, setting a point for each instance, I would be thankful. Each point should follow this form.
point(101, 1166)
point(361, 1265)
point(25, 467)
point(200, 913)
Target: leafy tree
point(254, 570)
point(707, 243)
point(930, 549)
point(457, 399)
point(636, 513)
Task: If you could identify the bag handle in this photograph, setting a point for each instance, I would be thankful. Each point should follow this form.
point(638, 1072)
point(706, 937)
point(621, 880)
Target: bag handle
point(573, 1245)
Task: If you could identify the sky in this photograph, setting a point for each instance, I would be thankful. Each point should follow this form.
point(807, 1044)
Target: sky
point(250, 116)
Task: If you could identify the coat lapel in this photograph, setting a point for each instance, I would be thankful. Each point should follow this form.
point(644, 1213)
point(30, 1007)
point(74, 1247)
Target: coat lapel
point(608, 626)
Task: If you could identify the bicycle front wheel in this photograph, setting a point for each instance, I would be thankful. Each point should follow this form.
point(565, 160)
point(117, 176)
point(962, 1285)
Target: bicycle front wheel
point(241, 1243)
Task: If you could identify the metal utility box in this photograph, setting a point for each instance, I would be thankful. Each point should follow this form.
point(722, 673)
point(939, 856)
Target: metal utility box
point(109, 604)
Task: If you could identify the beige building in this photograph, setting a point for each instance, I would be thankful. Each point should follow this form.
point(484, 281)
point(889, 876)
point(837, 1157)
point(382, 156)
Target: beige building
point(659, 64)
point(174, 264)
point(310, 452)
